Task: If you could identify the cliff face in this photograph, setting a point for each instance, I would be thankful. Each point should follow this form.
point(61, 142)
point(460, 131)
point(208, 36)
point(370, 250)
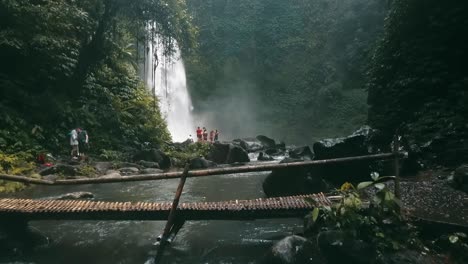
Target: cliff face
point(418, 78)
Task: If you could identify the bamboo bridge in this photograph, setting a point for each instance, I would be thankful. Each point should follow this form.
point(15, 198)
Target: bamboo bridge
point(23, 210)
point(280, 207)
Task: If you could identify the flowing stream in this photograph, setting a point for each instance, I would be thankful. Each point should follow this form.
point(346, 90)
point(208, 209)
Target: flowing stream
point(131, 241)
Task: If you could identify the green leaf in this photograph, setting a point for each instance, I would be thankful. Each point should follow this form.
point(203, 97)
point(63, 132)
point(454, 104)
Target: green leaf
point(380, 234)
point(380, 186)
point(374, 176)
point(453, 239)
point(315, 214)
point(363, 185)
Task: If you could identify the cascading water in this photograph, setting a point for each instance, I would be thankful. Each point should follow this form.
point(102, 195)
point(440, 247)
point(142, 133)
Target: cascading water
point(165, 76)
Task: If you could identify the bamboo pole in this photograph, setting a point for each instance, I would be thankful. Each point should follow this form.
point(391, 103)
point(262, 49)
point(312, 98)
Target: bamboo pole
point(396, 149)
point(172, 215)
point(201, 173)
point(24, 179)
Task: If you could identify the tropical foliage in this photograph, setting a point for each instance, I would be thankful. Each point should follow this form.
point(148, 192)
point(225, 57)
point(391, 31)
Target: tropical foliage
point(72, 63)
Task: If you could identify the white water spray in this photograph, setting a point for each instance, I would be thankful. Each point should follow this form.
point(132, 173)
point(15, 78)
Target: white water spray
point(166, 75)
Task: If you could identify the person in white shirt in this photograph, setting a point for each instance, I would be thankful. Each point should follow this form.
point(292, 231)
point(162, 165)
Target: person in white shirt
point(74, 143)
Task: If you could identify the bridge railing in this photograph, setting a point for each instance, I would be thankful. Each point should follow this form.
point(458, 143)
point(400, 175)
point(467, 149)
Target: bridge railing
point(396, 155)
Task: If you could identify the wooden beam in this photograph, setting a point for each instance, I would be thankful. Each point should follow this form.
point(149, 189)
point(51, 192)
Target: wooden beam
point(172, 216)
point(25, 179)
point(206, 172)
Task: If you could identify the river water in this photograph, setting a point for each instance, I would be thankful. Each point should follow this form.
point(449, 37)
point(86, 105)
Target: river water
point(131, 241)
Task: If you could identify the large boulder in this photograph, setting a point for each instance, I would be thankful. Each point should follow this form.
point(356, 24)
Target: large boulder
point(460, 178)
point(149, 164)
point(223, 153)
point(154, 155)
point(291, 250)
point(356, 144)
point(293, 181)
point(249, 145)
point(301, 153)
point(237, 154)
point(17, 238)
point(74, 196)
point(62, 169)
point(129, 171)
point(219, 152)
point(201, 163)
point(264, 157)
point(267, 142)
point(103, 166)
point(338, 247)
point(151, 171)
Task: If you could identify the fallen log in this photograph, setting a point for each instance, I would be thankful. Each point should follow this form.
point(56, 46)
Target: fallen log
point(24, 179)
point(201, 173)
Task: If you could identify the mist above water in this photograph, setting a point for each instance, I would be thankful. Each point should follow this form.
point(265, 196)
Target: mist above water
point(165, 76)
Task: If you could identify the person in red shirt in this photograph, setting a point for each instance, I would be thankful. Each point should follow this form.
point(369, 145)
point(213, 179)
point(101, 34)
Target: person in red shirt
point(205, 135)
point(199, 134)
point(212, 136)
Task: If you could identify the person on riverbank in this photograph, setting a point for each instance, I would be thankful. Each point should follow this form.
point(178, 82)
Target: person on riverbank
point(205, 134)
point(190, 138)
point(212, 136)
point(83, 143)
point(199, 134)
point(216, 135)
point(74, 143)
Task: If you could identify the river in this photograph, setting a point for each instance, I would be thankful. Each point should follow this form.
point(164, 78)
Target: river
point(131, 241)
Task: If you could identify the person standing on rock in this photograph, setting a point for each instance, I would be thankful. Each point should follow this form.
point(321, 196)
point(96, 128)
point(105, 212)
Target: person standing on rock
point(83, 141)
point(205, 134)
point(199, 134)
point(212, 136)
point(216, 135)
point(74, 143)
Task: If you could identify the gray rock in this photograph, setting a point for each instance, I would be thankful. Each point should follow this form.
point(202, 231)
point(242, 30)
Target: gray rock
point(111, 174)
point(293, 181)
point(201, 163)
point(222, 153)
point(301, 153)
point(219, 152)
point(75, 196)
point(154, 155)
point(149, 164)
point(460, 178)
point(151, 171)
point(356, 144)
point(267, 142)
point(112, 171)
point(61, 169)
point(237, 154)
point(291, 250)
point(126, 165)
point(129, 170)
point(264, 157)
point(102, 167)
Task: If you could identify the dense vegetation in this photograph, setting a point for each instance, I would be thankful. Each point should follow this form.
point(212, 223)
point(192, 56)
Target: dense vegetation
point(292, 69)
point(68, 64)
point(418, 80)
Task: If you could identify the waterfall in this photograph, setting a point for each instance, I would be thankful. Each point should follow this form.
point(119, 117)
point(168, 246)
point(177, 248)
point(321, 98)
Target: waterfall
point(165, 74)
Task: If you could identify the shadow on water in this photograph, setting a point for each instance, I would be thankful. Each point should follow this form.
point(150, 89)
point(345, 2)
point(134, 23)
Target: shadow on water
point(131, 241)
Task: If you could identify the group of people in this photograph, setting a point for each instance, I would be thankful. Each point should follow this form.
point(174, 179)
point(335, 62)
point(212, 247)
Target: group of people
point(79, 141)
point(202, 135)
